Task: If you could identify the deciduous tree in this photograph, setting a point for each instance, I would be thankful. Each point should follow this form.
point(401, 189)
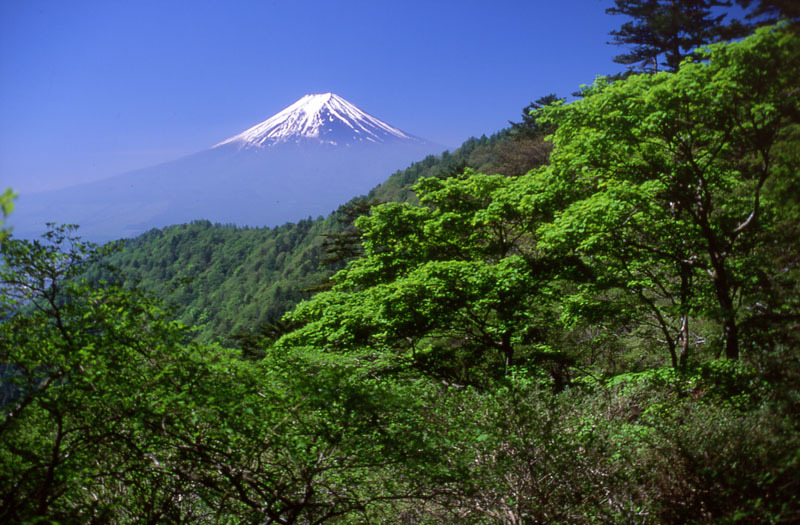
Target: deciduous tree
point(672, 181)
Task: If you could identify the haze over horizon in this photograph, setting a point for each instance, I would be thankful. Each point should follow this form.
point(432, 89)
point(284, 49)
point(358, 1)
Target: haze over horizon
point(93, 89)
point(303, 162)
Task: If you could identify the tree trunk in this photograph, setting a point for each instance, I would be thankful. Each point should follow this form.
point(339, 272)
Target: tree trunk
point(683, 336)
point(730, 331)
point(507, 350)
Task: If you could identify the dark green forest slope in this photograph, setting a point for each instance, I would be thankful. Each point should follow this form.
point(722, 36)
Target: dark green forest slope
point(221, 279)
point(610, 337)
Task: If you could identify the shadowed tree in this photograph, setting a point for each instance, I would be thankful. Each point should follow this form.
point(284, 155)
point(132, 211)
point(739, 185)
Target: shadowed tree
point(664, 32)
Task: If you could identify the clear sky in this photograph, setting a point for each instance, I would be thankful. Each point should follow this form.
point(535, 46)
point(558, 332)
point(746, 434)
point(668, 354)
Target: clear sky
point(90, 89)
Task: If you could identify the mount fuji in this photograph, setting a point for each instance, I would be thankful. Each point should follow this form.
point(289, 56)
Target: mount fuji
point(305, 160)
point(319, 119)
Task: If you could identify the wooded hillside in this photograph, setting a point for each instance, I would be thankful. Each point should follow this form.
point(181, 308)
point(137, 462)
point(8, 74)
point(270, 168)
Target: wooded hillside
point(611, 336)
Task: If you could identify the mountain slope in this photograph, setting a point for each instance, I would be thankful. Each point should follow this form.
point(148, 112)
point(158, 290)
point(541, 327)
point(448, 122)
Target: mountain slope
point(323, 119)
point(302, 162)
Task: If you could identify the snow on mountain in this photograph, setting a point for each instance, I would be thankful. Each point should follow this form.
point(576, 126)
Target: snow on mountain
point(322, 118)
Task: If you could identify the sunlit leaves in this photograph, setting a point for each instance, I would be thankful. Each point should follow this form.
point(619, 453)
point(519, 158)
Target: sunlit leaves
point(666, 175)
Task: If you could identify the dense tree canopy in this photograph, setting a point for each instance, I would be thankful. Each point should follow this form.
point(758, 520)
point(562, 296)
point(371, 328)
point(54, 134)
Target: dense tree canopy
point(664, 186)
point(673, 181)
point(454, 277)
point(110, 416)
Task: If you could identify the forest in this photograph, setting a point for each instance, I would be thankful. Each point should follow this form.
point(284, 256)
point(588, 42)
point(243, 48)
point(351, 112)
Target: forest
point(591, 316)
point(226, 281)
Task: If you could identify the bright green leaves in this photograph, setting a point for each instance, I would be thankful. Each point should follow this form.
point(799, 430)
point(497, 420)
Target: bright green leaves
point(6, 207)
point(647, 227)
point(453, 284)
point(665, 176)
point(77, 364)
point(462, 218)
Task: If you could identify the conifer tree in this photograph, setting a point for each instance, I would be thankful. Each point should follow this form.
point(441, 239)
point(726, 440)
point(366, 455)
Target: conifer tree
point(664, 32)
point(530, 114)
point(765, 12)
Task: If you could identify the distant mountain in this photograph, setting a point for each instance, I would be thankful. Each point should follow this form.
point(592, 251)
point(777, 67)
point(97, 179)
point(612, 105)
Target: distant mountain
point(304, 161)
point(319, 119)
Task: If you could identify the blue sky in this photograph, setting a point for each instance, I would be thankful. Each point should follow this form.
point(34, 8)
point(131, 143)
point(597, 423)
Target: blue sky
point(90, 89)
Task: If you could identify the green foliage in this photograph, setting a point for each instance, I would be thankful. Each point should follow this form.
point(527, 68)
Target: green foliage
point(524, 347)
point(657, 232)
point(671, 179)
point(704, 445)
point(78, 362)
point(345, 246)
point(531, 126)
point(505, 152)
point(109, 417)
point(227, 281)
point(223, 279)
point(453, 286)
point(6, 207)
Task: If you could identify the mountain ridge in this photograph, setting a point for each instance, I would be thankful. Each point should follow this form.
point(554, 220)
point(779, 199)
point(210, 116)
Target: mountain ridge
point(323, 118)
point(301, 164)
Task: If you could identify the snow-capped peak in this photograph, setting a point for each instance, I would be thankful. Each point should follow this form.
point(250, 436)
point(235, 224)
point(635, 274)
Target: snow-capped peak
point(322, 118)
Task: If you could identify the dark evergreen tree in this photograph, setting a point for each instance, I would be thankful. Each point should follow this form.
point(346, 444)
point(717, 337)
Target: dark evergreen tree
point(252, 344)
point(664, 32)
point(345, 245)
point(770, 11)
point(530, 114)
